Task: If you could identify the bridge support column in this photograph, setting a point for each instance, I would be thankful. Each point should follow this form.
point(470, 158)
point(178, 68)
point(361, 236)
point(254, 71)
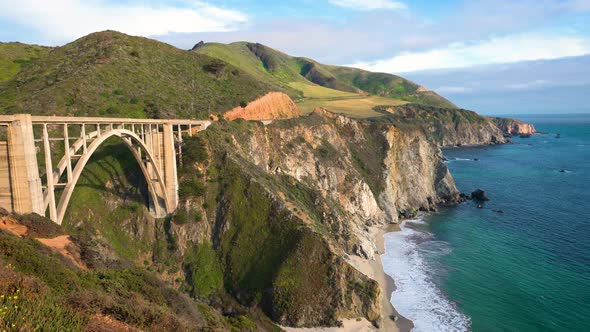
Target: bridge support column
point(25, 183)
point(170, 170)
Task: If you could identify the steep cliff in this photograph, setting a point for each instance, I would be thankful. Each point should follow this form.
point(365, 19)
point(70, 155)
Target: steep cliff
point(453, 127)
point(514, 127)
point(333, 177)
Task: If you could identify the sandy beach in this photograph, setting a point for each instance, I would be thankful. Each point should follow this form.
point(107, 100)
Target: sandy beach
point(374, 270)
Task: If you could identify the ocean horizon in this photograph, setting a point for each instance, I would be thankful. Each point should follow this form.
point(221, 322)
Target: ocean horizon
point(522, 262)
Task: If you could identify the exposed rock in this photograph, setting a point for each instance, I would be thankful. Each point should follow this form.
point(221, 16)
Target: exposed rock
point(513, 127)
point(198, 45)
point(479, 195)
point(273, 105)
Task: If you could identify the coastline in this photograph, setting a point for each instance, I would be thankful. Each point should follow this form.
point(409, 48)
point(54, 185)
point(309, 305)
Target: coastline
point(387, 283)
point(374, 270)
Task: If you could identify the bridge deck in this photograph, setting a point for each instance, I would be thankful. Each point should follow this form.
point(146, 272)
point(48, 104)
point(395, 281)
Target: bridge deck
point(94, 120)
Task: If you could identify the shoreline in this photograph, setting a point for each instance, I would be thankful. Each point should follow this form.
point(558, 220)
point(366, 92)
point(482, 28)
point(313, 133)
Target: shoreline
point(387, 283)
point(374, 269)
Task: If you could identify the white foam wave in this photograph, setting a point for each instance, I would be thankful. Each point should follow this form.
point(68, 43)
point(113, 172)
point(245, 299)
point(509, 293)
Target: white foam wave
point(463, 159)
point(417, 297)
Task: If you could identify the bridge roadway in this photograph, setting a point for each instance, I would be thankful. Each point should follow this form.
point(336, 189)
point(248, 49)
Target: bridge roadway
point(62, 147)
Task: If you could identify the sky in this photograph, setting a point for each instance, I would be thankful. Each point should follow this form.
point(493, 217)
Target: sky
point(501, 56)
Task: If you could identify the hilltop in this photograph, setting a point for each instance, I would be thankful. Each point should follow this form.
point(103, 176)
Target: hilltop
point(314, 84)
point(113, 74)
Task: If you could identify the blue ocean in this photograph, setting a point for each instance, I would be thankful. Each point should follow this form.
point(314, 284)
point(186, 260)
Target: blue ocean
point(526, 269)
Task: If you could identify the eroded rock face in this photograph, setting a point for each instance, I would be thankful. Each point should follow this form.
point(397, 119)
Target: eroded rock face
point(273, 105)
point(371, 172)
point(338, 176)
point(514, 127)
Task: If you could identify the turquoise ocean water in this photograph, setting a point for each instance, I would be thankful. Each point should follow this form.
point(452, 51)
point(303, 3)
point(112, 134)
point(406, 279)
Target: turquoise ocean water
point(527, 269)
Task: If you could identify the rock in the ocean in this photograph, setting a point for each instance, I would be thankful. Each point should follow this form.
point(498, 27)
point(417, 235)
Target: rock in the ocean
point(479, 195)
point(464, 197)
point(498, 211)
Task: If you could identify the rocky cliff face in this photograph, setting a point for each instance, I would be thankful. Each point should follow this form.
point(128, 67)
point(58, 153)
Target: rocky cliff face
point(514, 127)
point(273, 105)
point(453, 127)
point(325, 179)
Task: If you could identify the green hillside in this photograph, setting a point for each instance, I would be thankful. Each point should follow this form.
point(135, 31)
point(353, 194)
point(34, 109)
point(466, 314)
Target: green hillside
point(15, 56)
point(306, 79)
point(113, 74)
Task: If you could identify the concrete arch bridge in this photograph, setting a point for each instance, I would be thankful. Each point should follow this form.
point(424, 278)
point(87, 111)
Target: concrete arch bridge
point(27, 141)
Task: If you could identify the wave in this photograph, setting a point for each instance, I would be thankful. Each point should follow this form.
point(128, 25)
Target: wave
point(416, 296)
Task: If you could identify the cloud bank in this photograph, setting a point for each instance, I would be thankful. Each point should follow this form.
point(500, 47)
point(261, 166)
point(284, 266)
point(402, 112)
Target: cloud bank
point(512, 48)
point(64, 20)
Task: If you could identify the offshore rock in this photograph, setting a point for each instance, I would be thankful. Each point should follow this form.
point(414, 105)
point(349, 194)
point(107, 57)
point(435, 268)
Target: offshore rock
point(479, 195)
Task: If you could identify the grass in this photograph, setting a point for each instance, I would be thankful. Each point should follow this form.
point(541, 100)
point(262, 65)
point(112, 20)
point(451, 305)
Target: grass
point(302, 77)
point(353, 107)
point(16, 56)
point(203, 271)
point(310, 90)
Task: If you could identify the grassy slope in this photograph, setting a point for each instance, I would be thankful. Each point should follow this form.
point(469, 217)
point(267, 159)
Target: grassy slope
point(15, 56)
point(113, 74)
point(37, 284)
point(316, 84)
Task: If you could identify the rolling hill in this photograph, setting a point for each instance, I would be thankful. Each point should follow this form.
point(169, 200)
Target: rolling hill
point(305, 79)
point(113, 74)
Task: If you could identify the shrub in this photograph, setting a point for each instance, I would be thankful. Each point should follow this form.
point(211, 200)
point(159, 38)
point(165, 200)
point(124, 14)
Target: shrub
point(203, 270)
point(180, 217)
point(192, 188)
point(194, 150)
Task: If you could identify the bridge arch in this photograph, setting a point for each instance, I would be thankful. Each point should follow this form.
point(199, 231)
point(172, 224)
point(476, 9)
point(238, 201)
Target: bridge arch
point(156, 186)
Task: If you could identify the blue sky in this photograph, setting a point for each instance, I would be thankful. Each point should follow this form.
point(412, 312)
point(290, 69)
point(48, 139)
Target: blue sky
point(432, 42)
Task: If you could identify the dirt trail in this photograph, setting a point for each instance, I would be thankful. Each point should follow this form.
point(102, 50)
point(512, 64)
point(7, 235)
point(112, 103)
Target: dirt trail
point(60, 244)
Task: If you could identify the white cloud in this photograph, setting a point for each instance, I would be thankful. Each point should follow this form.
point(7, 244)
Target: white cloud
point(528, 85)
point(369, 4)
point(453, 89)
point(64, 20)
point(508, 49)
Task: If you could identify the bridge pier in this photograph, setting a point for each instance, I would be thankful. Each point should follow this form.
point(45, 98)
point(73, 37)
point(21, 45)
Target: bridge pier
point(23, 171)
